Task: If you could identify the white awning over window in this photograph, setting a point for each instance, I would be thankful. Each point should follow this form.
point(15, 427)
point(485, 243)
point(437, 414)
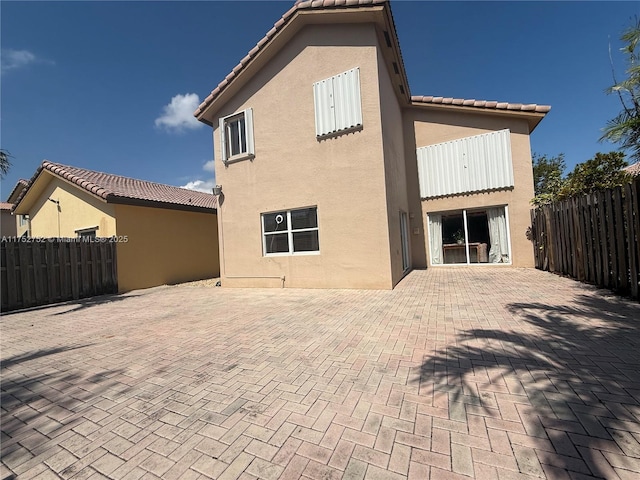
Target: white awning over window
point(470, 164)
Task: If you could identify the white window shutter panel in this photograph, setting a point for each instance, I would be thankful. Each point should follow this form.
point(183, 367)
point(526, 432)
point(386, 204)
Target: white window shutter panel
point(471, 164)
point(223, 140)
point(323, 103)
point(347, 101)
point(248, 122)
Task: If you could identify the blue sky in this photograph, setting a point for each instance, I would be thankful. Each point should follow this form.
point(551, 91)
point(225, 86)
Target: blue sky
point(111, 86)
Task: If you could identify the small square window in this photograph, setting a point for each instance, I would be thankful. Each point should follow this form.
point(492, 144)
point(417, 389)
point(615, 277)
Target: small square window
point(236, 136)
point(290, 232)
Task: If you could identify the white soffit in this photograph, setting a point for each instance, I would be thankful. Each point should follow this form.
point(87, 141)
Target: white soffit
point(470, 164)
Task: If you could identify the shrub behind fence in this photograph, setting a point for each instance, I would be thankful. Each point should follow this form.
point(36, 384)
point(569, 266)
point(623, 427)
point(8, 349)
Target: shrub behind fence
point(592, 238)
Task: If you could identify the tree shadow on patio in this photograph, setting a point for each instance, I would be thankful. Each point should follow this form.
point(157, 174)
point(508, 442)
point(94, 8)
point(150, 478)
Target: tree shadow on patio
point(25, 357)
point(83, 303)
point(43, 401)
point(563, 382)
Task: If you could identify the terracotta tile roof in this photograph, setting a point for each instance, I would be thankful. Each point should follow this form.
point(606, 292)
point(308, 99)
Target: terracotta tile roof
point(633, 169)
point(19, 186)
point(531, 107)
point(333, 4)
point(6, 206)
point(125, 190)
point(279, 25)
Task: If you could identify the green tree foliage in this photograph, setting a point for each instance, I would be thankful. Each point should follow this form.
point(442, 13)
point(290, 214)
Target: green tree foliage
point(625, 128)
point(5, 164)
point(602, 171)
point(547, 177)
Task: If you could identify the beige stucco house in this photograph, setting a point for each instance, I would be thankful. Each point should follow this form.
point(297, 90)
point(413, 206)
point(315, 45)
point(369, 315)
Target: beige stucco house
point(333, 175)
point(7, 220)
point(164, 234)
point(14, 225)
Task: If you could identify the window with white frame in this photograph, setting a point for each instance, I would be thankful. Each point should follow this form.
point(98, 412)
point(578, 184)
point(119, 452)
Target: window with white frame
point(470, 236)
point(290, 232)
point(236, 136)
point(89, 232)
point(337, 102)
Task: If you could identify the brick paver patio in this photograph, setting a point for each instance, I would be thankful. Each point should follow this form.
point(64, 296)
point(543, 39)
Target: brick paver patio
point(457, 373)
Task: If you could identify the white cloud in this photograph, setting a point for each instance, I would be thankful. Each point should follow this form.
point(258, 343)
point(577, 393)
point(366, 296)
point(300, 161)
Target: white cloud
point(203, 185)
point(14, 59)
point(210, 166)
point(178, 114)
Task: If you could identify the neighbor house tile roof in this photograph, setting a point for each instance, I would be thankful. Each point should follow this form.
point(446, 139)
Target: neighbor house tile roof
point(279, 25)
point(531, 107)
point(125, 190)
point(6, 206)
point(633, 169)
point(20, 185)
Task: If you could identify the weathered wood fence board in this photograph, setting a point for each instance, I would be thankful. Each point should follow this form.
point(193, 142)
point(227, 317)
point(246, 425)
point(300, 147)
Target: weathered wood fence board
point(594, 238)
point(43, 271)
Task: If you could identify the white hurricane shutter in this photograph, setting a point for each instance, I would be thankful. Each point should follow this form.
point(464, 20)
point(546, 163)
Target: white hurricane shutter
point(223, 139)
point(323, 101)
point(248, 123)
point(471, 164)
point(337, 102)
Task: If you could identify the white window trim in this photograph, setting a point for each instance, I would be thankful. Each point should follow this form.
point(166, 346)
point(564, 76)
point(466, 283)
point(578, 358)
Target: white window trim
point(248, 131)
point(290, 233)
point(80, 231)
point(471, 264)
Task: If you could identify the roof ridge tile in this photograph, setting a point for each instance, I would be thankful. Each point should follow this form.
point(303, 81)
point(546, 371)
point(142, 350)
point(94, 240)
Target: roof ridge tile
point(492, 104)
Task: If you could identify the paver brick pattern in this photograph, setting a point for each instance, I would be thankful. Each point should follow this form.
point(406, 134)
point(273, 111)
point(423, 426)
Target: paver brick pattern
point(457, 373)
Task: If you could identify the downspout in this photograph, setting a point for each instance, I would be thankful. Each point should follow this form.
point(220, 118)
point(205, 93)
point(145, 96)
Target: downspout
point(221, 234)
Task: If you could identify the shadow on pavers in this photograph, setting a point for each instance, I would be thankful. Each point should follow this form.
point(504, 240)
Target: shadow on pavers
point(568, 380)
point(25, 357)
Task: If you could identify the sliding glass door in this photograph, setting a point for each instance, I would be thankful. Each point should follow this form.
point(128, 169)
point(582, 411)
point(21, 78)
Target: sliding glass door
point(469, 236)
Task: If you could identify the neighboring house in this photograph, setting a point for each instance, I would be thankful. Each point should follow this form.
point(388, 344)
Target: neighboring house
point(333, 175)
point(21, 221)
point(633, 169)
point(7, 221)
point(164, 234)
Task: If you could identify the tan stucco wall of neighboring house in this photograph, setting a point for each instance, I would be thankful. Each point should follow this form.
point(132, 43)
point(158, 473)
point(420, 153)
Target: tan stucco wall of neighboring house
point(431, 126)
point(164, 246)
point(344, 176)
point(8, 224)
point(76, 210)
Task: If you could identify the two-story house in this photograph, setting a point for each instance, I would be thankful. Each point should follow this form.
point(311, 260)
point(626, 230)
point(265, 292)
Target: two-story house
point(333, 175)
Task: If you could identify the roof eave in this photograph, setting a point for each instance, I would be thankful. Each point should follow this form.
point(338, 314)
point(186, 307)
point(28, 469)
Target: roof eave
point(26, 200)
point(137, 202)
point(284, 30)
point(533, 118)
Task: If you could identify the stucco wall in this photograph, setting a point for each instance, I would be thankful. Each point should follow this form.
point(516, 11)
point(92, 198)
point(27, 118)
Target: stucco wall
point(436, 126)
point(164, 246)
point(394, 166)
point(8, 224)
point(343, 176)
point(76, 210)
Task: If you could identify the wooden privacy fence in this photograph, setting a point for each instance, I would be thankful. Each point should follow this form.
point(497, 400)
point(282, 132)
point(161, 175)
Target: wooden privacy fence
point(593, 238)
point(49, 270)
